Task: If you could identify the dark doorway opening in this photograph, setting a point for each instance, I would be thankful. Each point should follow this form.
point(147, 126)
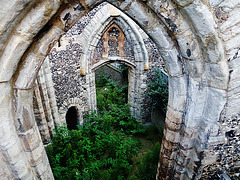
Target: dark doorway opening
point(72, 118)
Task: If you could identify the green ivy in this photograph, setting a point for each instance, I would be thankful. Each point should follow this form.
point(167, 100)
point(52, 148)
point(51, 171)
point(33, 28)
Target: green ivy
point(101, 148)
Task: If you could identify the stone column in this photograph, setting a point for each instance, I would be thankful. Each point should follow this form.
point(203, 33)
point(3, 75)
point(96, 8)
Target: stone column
point(29, 135)
point(11, 150)
point(42, 124)
point(46, 101)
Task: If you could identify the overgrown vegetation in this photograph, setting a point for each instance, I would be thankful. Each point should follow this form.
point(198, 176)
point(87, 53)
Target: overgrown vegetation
point(108, 144)
point(95, 151)
point(109, 93)
point(147, 165)
point(158, 90)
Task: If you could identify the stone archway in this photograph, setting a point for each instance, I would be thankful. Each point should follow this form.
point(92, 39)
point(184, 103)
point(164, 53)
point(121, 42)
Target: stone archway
point(137, 60)
point(198, 80)
point(132, 74)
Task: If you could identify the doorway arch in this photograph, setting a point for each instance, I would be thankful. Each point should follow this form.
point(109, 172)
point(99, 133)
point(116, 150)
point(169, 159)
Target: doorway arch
point(72, 118)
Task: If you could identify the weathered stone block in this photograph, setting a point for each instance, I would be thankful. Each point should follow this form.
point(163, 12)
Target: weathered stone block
point(11, 13)
point(216, 140)
point(214, 3)
point(174, 116)
point(11, 57)
point(171, 125)
point(215, 50)
point(36, 156)
point(201, 17)
point(217, 75)
point(233, 43)
point(228, 5)
point(188, 45)
point(173, 63)
point(29, 71)
point(209, 160)
point(214, 105)
point(195, 68)
point(31, 140)
point(37, 18)
point(172, 136)
point(42, 47)
point(183, 2)
point(177, 90)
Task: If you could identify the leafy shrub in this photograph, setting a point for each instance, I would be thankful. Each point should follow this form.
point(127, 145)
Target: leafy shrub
point(118, 117)
point(91, 152)
point(111, 94)
point(102, 148)
point(102, 79)
point(158, 90)
point(147, 166)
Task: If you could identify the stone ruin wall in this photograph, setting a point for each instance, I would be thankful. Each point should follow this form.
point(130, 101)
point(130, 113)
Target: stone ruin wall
point(202, 131)
point(224, 146)
point(72, 89)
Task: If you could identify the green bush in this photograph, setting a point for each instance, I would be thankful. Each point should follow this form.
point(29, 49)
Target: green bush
point(92, 152)
point(147, 166)
point(102, 79)
point(158, 90)
point(111, 94)
point(103, 147)
point(100, 149)
point(118, 117)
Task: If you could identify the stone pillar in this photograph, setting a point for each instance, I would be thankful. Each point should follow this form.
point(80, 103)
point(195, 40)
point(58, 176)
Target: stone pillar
point(46, 101)
point(41, 121)
point(50, 90)
point(29, 135)
point(11, 150)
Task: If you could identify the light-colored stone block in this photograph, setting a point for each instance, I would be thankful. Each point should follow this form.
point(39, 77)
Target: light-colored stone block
point(11, 57)
point(214, 104)
point(172, 62)
point(28, 72)
point(183, 2)
point(37, 18)
point(177, 90)
point(217, 75)
point(201, 17)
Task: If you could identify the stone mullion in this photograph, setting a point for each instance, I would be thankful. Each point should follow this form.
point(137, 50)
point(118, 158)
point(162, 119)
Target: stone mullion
point(131, 89)
point(137, 92)
point(50, 90)
point(92, 91)
point(46, 102)
point(43, 126)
